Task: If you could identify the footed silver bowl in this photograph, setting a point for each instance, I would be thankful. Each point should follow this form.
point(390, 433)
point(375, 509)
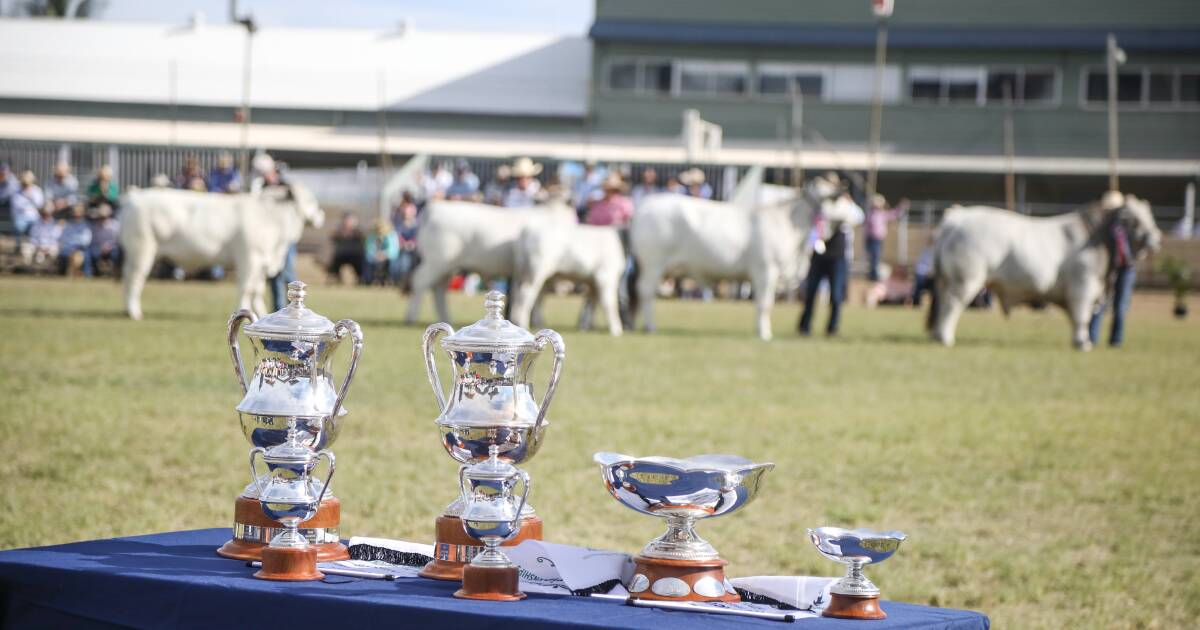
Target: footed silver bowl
point(855, 548)
point(681, 491)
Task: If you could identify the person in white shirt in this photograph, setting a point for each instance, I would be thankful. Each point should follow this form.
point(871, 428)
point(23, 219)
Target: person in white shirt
point(525, 189)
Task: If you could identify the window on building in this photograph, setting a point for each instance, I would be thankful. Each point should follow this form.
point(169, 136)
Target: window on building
point(1189, 88)
point(656, 77)
point(946, 84)
point(1153, 87)
point(1025, 86)
point(643, 76)
point(778, 80)
point(622, 76)
point(1129, 86)
point(1002, 86)
point(1038, 86)
point(709, 78)
point(1162, 87)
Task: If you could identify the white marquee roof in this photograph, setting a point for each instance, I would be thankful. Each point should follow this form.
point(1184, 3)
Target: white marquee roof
point(296, 68)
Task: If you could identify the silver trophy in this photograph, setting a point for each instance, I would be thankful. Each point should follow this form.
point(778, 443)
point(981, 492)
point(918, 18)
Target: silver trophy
point(492, 514)
point(289, 497)
point(491, 404)
point(679, 565)
point(291, 394)
point(854, 596)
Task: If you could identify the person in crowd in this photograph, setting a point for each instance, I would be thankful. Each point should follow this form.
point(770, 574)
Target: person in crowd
point(73, 243)
point(8, 187)
point(877, 226)
point(191, 177)
point(104, 190)
point(647, 186)
point(673, 186)
point(26, 204)
point(614, 208)
point(526, 187)
point(267, 174)
point(224, 177)
point(497, 189)
point(103, 247)
point(382, 252)
point(437, 182)
point(42, 244)
point(586, 189)
point(406, 233)
point(923, 275)
point(832, 231)
point(693, 179)
point(465, 186)
point(348, 241)
point(406, 208)
point(62, 191)
point(1122, 275)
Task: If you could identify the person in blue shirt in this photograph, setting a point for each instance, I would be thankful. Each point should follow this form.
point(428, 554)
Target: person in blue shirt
point(224, 177)
point(693, 179)
point(383, 252)
point(465, 186)
point(74, 241)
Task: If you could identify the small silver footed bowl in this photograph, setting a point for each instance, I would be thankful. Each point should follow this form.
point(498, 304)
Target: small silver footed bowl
point(855, 548)
point(682, 491)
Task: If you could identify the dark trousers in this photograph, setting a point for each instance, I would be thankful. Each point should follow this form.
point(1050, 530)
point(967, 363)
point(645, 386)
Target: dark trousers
point(874, 253)
point(921, 285)
point(1121, 297)
point(286, 275)
point(832, 270)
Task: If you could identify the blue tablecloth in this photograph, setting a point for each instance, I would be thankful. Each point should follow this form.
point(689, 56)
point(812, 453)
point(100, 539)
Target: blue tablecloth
point(177, 580)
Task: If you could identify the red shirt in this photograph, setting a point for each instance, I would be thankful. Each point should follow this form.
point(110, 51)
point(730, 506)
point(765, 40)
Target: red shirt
point(614, 210)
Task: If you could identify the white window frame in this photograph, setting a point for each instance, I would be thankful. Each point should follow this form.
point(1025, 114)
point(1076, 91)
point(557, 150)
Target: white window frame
point(714, 66)
point(943, 71)
point(639, 64)
point(791, 70)
point(1144, 103)
point(1019, 99)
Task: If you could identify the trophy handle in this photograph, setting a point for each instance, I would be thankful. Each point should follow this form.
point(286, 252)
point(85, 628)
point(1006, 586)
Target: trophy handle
point(462, 483)
point(328, 477)
point(524, 495)
point(234, 327)
point(258, 450)
point(432, 334)
point(356, 336)
point(543, 337)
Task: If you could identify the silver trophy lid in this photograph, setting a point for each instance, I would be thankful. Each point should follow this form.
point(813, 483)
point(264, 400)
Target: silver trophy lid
point(493, 333)
point(492, 469)
point(292, 451)
point(294, 321)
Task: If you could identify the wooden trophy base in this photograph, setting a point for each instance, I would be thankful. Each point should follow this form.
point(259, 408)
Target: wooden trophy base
point(247, 513)
point(453, 548)
point(285, 564)
point(680, 580)
point(494, 584)
point(851, 607)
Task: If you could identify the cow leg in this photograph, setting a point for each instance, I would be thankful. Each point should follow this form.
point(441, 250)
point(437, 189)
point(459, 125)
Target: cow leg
point(1081, 304)
point(422, 280)
point(439, 301)
point(259, 298)
point(953, 298)
point(139, 260)
point(526, 296)
point(647, 290)
point(607, 292)
point(765, 282)
point(587, 309)
point(250, 284)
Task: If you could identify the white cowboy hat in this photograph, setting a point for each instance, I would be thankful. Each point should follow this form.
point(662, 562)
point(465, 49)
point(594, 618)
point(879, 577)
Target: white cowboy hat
point(691, 177)
point(262, 163)
point(525, 167)
point(613, 182)
point(1112, 200)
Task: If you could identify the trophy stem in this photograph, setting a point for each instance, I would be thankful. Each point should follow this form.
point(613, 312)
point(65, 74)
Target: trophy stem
point(290, 536)
point(680, 542)
point(491, 556)
point(855, 583)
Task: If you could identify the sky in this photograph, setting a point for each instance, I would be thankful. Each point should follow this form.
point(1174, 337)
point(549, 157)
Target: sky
point(571, 17)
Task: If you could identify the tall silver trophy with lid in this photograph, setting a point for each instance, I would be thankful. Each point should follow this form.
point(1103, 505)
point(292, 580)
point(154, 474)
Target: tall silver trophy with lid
point(291, 392)
point(491, 403)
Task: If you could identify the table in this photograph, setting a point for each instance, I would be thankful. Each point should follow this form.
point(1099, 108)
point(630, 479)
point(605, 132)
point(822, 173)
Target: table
point(176, 579)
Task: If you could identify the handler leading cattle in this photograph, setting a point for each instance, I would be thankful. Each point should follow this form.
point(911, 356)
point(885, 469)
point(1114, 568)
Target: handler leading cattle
point(1059, 260)
point(195, 230)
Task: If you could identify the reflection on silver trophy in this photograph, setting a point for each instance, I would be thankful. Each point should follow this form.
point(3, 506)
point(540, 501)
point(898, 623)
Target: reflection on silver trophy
point(854, 596)
point(679, 565)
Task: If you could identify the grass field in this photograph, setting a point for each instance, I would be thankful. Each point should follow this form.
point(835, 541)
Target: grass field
point(1045, 487)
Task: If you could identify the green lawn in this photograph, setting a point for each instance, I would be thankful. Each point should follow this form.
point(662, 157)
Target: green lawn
point(1045, 487)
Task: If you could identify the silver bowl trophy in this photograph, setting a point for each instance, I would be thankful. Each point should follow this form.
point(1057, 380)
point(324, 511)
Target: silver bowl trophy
point(854, 596)
point(291, 394)
point(490, 404)
point(679, 565)
point(290, 497)
point(492, 514)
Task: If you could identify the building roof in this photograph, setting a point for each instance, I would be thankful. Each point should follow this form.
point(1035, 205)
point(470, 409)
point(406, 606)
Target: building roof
point(296, 68)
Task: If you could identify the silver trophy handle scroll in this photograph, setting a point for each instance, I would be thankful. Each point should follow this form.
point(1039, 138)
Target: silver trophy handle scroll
point(234, 327)
point(258, 487)
point(351, 327)
point(432, 334)
point(329, 476)
point(543, 337)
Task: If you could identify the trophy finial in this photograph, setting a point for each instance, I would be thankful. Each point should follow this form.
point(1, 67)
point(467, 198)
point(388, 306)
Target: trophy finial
point(494, 305)
point(494, 452)
point(296, 292)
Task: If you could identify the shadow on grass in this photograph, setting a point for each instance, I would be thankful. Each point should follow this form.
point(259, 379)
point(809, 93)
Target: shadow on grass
point(87, 313)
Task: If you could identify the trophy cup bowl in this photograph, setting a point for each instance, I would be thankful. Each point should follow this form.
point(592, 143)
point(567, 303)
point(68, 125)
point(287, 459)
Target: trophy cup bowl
point(679, 565)
point(854, 596)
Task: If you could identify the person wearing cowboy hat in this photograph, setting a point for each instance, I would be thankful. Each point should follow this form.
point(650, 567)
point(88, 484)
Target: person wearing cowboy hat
point(614, 208)
point(525, 188)
point(693, 179)
point(877, 227)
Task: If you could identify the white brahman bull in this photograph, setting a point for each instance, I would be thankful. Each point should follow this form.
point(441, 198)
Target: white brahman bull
point(464, 236)
point(250, 232)
point(1059, 260)
point(562, 248)
point(711, 240)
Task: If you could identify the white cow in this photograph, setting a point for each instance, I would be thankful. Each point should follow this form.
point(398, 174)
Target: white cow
point(250, 232)
point(1059, 260)
point(710, 241)
point(464, 236)
point(562, 248)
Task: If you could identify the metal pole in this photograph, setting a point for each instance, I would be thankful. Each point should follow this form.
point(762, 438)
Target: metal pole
point(1111, 55)
point(876, 107)
point(385, 160)
point(1010, 176)
point(244, 141)
point(797, 126)
point(173, 95)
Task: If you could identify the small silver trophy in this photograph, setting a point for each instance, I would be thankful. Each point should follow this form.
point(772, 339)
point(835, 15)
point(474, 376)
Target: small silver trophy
point(679, 565)
point(491, 514)
point(854, 596)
